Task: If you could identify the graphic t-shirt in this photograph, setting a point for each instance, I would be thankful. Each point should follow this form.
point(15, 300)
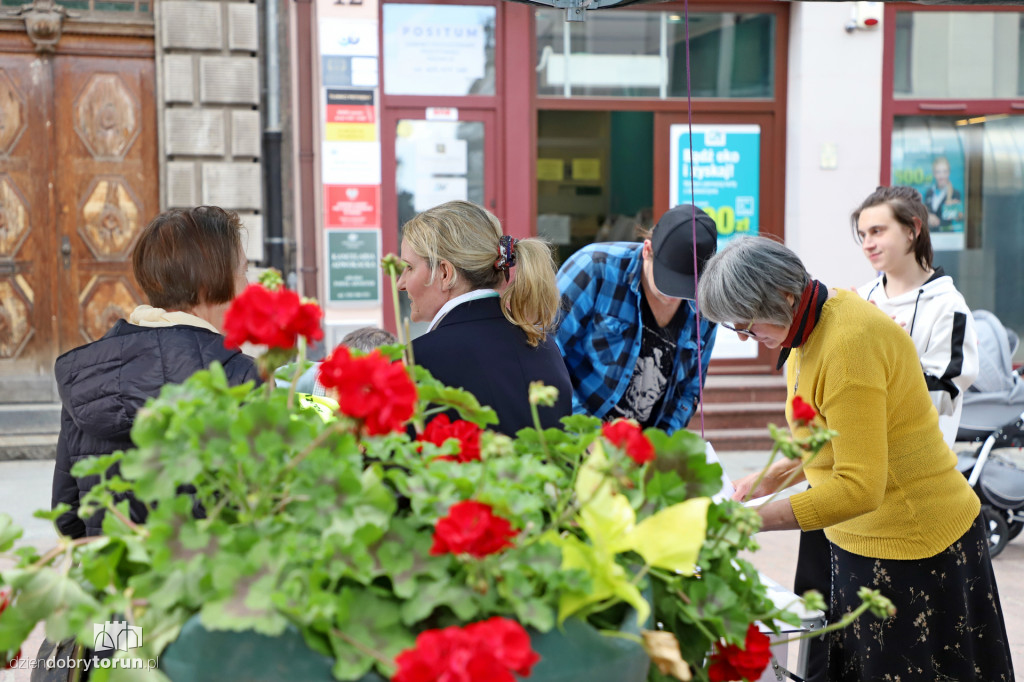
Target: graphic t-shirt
point(643, 398)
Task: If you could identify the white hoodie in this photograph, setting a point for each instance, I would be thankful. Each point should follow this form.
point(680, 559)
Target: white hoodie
point(941, 325)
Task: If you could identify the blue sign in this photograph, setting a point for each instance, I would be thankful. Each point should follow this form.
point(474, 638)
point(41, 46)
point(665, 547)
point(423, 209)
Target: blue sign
point(725, 170)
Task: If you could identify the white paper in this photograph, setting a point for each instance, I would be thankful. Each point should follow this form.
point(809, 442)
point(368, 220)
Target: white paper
point(348, 37)
point(728, 489)
point(432, 191)
point(441, 156)
point(350, 163)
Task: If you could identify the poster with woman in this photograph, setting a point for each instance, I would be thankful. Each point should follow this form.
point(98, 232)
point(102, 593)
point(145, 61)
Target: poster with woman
point(931, 160)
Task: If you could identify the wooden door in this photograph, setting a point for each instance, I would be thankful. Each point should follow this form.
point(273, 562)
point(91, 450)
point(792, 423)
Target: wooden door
point(78, 181)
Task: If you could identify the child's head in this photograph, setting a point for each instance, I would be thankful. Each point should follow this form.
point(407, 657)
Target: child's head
point(368, 338)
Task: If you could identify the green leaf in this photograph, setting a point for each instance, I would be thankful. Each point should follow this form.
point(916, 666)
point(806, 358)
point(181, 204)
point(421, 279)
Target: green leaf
point(9, 532)
point(429, 596)
point(604, 514)
point(608, 580)
point(672, 538)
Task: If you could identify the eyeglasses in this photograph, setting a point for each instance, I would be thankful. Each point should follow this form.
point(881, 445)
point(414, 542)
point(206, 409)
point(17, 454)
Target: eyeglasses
point(746, 332)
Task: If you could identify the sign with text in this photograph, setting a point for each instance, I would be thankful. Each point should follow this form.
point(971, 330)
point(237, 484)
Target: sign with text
point(350, 106)
point(351, 206)
point(725, 168)
point(353, 266)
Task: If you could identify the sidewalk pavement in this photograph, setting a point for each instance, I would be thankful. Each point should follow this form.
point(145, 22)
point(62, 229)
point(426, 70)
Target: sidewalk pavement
point(25, 487)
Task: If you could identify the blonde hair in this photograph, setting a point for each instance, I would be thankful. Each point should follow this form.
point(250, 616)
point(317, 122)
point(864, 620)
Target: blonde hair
point(466, 235)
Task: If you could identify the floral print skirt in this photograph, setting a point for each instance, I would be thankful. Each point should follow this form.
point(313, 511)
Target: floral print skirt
point(948, 624)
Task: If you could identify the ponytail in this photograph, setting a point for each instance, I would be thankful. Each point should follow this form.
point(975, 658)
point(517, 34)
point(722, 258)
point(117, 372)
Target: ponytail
point(531, 301)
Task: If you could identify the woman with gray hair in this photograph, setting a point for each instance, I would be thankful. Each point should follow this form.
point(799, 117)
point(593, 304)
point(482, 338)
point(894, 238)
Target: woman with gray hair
point(898, 515)
point(489, 330)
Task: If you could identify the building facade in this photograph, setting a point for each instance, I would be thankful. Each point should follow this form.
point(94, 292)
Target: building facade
point(579, 131)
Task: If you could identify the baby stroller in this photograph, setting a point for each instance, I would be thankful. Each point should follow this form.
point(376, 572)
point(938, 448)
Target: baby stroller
point(992, 419)
point(998, 478)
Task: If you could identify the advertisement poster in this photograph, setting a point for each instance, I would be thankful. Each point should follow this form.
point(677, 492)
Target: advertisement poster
point(353, 266)
point(726, 170)
point(351, 206)
point(931, 160)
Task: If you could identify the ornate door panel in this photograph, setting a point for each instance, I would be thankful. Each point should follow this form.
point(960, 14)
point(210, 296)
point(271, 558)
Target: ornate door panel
point(78, 180)
point(28, 242)
point(106, 189)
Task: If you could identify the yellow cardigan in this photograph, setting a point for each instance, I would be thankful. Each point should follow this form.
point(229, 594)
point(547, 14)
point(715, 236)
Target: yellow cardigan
point(887, 486)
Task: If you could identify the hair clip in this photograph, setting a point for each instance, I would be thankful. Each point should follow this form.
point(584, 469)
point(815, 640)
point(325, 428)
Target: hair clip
point(506, 254)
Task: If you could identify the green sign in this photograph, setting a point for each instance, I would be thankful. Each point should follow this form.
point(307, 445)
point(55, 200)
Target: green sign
point(353, 266)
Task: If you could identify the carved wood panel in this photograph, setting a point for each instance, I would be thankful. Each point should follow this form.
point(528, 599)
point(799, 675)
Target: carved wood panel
point(28, 297)
point(107, 187)
point(78, 181)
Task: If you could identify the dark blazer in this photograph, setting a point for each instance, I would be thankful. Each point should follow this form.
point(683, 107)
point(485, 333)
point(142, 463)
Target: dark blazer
point(475, 348)
point(103, 385)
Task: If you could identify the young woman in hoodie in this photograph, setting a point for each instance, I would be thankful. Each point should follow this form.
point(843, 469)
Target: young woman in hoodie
point(892, 228)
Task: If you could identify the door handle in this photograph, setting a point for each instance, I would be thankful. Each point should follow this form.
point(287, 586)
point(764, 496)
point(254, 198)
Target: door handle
point(65, 251)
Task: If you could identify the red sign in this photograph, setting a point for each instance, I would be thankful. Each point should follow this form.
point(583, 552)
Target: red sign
point(352, 205)
point(350, 106)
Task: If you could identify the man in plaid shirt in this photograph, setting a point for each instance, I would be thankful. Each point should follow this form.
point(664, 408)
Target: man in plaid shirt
point(628, 324)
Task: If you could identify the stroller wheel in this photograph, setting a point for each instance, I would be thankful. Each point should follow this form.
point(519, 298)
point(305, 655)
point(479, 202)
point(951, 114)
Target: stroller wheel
point(1015, 528)
point(998, 531)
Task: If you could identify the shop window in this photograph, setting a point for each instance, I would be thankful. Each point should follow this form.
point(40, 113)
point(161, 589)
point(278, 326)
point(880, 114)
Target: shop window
point(594, 177)
point(970, 170)
point(961, 55)
point(643, 54)
point(438, 49)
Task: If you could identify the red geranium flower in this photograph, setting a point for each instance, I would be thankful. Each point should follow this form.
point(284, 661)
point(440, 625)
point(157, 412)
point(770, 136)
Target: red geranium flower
point(371, 388)
point(471, 528)
point(508, 641)
point(802, 412)
point(441, 428)
point(627, 435)
point(730, 662)
point(274, 318)
point(489, 651)
point(5, 599)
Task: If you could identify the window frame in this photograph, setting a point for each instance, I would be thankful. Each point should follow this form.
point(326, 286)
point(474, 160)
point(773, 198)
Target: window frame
point(929, 106)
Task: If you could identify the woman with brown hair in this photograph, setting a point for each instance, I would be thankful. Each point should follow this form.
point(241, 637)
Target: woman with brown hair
point(191, 265)
point(489, 330)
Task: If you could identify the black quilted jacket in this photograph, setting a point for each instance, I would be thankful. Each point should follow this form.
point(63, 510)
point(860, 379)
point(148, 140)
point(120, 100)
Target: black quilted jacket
point(103, 385)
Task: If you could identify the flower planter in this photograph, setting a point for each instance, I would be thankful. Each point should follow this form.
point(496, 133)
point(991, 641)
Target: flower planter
point(577, 652)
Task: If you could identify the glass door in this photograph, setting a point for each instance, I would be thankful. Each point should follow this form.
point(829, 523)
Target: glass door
point(433, 155)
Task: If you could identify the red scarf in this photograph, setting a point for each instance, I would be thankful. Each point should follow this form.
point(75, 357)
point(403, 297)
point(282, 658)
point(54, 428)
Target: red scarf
point(807, 313)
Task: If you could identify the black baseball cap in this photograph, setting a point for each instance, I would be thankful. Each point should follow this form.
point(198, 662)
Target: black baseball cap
point(673, 246)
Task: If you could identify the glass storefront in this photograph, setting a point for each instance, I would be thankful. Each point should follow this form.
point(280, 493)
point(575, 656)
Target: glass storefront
point(643, 54)
point(970, 172)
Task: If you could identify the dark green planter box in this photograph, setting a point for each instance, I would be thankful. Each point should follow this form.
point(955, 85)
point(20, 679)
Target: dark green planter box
point(574, 654)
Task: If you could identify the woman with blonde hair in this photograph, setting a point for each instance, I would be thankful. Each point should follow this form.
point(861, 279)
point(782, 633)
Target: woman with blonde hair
point(489, 324)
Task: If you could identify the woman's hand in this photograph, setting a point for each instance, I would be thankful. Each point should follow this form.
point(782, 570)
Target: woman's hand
point(777, 473)
point(743, 486)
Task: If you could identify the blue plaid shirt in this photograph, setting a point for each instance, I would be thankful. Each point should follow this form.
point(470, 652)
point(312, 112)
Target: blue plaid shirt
point(599, 334)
